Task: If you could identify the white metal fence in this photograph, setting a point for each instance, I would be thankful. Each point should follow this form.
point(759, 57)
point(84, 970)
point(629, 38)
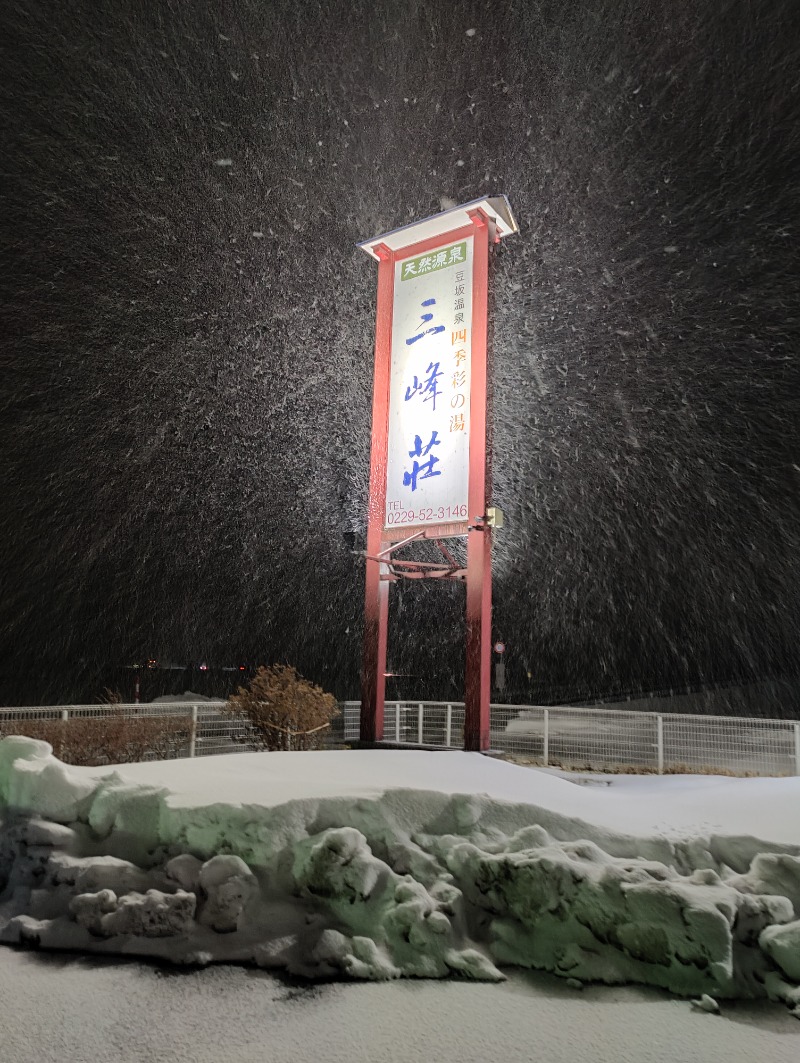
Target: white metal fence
point(589, 738)
point(610, 739)
point(208, 730)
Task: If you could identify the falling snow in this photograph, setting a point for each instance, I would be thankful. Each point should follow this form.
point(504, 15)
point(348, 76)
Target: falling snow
point(189, 328)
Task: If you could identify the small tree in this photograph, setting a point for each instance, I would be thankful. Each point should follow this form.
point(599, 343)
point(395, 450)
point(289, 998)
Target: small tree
point(282, 710)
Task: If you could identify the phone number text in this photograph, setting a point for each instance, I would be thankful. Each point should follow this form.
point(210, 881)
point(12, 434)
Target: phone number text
point(423, 515)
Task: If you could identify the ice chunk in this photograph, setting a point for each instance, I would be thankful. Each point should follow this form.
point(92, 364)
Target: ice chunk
point(111, 873)
point(151, 914)
point(469, 963)
point(338, 863)
point(89, 909)
point(776, 873)
point(369, 960)
point(227, 885)
point(32, 780)
point(185, 870)
point(127, 808)
point(706, 1003)
point(15, 748)
point(43, 832)
point(782, 943)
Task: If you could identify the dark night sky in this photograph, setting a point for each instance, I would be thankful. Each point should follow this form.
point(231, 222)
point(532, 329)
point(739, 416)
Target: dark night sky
point(187, 346)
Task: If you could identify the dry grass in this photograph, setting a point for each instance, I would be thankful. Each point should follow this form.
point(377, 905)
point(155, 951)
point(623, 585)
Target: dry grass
point(632, 769)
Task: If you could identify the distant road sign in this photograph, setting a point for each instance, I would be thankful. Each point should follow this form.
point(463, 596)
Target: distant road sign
point(499, 647)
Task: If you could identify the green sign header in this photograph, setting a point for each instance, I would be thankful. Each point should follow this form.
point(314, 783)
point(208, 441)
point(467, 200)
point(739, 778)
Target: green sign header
point(423, 264)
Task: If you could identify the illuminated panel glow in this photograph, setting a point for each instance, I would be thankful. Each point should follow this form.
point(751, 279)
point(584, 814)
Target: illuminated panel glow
point(429, 397)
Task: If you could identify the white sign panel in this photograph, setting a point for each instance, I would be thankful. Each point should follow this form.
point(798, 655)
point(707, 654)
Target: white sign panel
point(428, 457)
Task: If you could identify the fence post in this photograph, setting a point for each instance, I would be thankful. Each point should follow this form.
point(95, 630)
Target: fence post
point(193, 732)
point(397, 721)
point(797, 749)
point(420, 714)
point(448, 726)
point(546, 748)
point(62, 740)
point(660, 741)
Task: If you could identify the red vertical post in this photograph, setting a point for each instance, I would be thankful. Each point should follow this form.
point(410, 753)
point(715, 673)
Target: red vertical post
point(376, 605)
point(479, 539)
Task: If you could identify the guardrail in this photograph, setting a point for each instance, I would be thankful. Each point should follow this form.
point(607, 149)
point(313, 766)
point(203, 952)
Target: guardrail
point(567, 736)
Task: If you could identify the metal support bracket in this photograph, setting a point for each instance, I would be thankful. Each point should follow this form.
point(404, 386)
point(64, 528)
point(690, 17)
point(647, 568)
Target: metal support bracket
point(402, 568)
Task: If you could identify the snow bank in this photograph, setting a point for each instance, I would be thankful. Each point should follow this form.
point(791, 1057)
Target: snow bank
point(387, 864)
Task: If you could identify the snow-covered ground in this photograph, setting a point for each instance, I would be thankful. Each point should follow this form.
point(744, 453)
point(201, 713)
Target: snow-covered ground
point(382, 864)
point(64, 1008)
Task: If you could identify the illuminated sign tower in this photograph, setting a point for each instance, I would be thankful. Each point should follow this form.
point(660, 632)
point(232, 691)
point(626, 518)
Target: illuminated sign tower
point(430, 472)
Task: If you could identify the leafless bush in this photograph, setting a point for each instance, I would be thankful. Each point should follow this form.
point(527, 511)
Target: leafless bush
point(281, 710)
point(110, 697)
point(109, 739)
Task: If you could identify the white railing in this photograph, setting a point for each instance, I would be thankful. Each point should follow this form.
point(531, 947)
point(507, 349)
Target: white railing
point(590, 738)
point(208, 730)
point(610, 739)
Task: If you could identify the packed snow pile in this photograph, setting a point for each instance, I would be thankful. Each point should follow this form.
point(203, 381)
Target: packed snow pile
point(386, 864)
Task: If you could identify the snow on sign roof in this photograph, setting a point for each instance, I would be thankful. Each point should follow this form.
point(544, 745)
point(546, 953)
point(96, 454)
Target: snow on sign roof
point(497, 207)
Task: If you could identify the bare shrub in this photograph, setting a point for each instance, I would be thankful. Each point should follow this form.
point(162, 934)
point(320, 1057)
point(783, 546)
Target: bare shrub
point(282, 710)
point(110, 697)
point(113, 738)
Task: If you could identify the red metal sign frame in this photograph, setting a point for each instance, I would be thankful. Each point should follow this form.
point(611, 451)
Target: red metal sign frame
point(381, 567)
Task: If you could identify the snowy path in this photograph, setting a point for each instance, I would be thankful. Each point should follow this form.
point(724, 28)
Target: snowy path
point(59, 1008)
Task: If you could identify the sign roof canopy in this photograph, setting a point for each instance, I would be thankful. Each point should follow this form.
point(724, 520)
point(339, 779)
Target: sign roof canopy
point(497, 207)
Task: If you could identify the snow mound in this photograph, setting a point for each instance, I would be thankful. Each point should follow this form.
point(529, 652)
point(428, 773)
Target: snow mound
point(387, 883)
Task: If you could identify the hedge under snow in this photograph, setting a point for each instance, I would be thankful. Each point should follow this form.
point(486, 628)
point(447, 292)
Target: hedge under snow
point(311, 866)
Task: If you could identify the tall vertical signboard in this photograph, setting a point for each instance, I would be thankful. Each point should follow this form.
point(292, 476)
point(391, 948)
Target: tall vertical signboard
point(427, 474)
point(430, 474)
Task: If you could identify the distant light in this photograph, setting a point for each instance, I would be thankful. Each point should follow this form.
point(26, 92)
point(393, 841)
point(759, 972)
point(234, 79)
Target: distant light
point(241, 668)
point(203, 667)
